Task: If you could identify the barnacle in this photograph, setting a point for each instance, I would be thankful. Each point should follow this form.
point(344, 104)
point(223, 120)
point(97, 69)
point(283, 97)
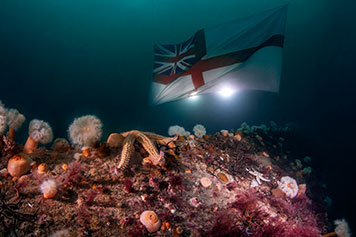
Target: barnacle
point(115, 140)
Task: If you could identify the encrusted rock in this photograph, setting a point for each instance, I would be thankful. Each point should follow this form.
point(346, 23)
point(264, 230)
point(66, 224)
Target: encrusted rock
point(115, 140)
point(61, 145)
point(302, 188)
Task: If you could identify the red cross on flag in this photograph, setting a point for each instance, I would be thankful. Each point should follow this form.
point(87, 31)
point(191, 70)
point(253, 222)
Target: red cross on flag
point(242, 54)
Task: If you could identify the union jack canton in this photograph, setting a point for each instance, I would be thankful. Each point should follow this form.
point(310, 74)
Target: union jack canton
point(174, 60)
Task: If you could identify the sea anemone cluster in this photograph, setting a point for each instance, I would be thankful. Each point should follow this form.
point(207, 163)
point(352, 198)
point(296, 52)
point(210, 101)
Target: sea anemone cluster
point(199, 131)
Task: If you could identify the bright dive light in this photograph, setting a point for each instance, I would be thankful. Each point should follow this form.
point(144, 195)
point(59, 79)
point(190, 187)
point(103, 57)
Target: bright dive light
point(193, 95)
point(226, 92)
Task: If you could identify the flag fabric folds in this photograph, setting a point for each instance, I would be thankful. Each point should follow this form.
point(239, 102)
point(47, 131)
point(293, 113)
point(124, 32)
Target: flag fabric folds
point(241, 54)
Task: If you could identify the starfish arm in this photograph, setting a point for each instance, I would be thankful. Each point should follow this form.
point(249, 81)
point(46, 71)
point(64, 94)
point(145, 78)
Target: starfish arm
point(124, 134)
point(160, 139)
point(154, 136)
point(149, 146)
point(264, 179)
point(126, 151)
point(258, 180)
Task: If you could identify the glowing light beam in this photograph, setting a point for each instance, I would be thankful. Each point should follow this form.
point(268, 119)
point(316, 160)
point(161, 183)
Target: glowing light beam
point(226, 92)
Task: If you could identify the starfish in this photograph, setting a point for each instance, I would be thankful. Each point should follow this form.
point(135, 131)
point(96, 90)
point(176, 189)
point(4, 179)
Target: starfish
point(258, 175)
point(143, 138)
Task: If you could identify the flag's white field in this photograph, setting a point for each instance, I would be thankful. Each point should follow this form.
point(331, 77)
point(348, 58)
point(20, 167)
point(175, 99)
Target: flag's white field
point(259, 71)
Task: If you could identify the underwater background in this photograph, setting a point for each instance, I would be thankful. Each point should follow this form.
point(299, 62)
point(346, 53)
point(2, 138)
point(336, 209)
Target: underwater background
point(64, 59)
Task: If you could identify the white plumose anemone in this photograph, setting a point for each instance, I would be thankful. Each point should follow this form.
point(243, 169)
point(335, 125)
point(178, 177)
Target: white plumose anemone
point(3, 118)
point(289, 186)
point(39, 132)
point(199, 130)
point(14, 120)
point(85, 131)
point(176, 131)
point(49, 188)
point(342, 228)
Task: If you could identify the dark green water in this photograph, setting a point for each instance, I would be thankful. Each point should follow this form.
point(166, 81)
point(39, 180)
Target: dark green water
point(63, 59)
